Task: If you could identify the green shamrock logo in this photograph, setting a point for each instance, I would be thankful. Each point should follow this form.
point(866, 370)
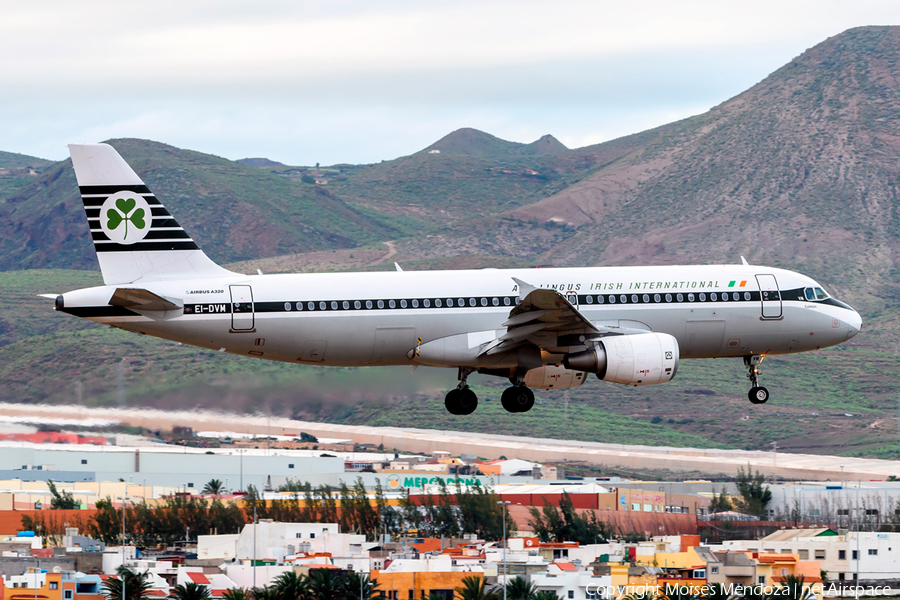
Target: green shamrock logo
point(123, 214)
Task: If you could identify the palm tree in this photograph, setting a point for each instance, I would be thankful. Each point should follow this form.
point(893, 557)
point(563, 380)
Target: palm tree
point(473, 588)
point(645, 595)
point(189, 591)
point(263, 593)
point(237, 594)
point(796, 590)
point(716, 591)
point(137, 585)
point(324, 584)
point(354, 581)
point(214, 487)
point(518, 588)
point(291, 586)
point(545, 595)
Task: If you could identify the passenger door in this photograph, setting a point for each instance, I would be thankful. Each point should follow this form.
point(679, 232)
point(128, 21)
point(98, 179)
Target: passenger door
point(241, 308)
point(770, 296)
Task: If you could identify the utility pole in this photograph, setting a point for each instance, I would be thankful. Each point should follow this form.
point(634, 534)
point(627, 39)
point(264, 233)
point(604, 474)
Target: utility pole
point(503, 504)
point(123, 499)
point(253, 561)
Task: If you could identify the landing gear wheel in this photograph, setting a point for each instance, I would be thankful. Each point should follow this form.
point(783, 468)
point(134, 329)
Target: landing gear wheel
point(461, 401)
point(517, 399)
point(758, 395)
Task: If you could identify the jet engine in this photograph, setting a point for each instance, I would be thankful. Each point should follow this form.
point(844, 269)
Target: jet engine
point(640, 359)
point(553, 377)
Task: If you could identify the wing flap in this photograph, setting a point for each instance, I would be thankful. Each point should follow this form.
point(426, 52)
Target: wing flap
point(141, 299)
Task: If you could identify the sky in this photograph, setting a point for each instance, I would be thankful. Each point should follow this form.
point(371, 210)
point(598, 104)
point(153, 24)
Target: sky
point(358, 82)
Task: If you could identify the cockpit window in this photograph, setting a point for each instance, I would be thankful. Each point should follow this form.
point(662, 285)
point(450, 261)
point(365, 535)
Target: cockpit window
point(810, 294)
point(820, 294)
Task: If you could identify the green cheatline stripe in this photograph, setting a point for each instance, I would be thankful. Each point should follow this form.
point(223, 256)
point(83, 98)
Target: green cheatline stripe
point(730, 284)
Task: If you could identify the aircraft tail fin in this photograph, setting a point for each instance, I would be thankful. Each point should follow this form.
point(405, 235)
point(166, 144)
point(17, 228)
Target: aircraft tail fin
point(135, 237)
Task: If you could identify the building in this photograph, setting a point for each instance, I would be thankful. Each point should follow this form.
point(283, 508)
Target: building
point(414, 579)
point(567, 580)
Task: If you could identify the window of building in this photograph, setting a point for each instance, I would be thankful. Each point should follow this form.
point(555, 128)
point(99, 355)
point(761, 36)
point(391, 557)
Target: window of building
point(855, 555)
point(871, 511)
point(785, 550)
point(699, 573)
point(803, 554)
point(784, 571)
point(814, 512)
point(67, 594)
point(820, 554)
point(635, 506)
point(761, 580)
point(290, 465)
point(590, 594)
point(190, 485)
point(84, 461)
point(842, 555)
point(714, 570)
point(648, 508)
point(873, 551)
point(412, 595)
point(54, 585)
point(571, 594)
point(843, 512)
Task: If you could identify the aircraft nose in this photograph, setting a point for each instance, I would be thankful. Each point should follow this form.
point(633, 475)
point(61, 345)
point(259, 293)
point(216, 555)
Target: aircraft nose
point(854, 322)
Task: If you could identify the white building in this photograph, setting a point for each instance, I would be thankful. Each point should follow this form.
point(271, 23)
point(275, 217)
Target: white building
point(568, 581)
point(871, 553)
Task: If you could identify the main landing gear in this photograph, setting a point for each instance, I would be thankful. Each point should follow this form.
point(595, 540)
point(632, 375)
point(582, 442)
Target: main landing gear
point(757, 394)
point(518, 398)
point(463, 401)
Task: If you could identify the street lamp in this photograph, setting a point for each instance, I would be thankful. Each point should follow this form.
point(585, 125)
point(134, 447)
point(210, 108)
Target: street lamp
point(123, 499)
point(37, 568)
point(503, 504)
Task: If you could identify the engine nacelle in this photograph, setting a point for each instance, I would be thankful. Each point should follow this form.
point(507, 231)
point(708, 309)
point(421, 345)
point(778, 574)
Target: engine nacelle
point(640, 359)
point(554, 377)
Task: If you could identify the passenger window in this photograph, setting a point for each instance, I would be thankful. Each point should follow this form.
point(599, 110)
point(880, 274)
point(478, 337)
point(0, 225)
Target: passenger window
point(668, 297)
point(415, 304)
point(495, 301)
point(820, 294)
point(589, 299)
point(437, 302)
point(426, 303)
point(381, 304)
point(506, 301)
point(600, 299)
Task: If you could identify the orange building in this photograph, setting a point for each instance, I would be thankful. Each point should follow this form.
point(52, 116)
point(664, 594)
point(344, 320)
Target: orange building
point(50, 586)
point(439, 577)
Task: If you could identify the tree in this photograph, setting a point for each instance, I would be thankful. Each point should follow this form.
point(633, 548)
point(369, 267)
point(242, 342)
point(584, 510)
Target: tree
point(356, 581)
point(325, 584)
point(565, 524)
point(755, 495)
point(214, 487)
point(189, 591)
point(473, 588)
point(237, 594)
point(720, 503)
point(62, 500)
point(106, 524)
point(519, 588)
point(716, 591)
point(792, 587)
point(291, 586)
point(137, 585)
point(546, 595)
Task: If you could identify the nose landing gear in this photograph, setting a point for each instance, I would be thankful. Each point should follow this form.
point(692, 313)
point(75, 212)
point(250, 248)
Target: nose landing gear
point(461, 400)
point(757, 393)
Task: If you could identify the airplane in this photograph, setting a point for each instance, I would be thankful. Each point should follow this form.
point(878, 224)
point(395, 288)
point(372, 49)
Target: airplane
point(546, 328)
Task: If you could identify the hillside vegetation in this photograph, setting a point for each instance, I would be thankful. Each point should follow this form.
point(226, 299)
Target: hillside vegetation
point(800, 171)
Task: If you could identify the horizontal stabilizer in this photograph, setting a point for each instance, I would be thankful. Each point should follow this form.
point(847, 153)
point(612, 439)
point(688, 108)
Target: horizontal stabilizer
point(141, 299)
point(49, 296)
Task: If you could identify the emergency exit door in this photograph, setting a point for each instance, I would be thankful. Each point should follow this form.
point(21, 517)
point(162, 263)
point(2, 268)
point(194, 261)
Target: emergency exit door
point(241, 308)
point(769, 296)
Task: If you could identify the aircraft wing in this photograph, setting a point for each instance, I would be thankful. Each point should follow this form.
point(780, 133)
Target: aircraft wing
point(546, 319)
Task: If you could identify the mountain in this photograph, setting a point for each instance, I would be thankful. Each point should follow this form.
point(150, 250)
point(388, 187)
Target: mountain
point(259, 162)
point(235, 212)
point(799, 171)
point(471, 142)
point(11, 160)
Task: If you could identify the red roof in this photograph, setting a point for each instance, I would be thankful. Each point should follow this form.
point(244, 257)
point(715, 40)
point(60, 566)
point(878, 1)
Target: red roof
point(217, 593)
point(565, 566)
point(198, 577)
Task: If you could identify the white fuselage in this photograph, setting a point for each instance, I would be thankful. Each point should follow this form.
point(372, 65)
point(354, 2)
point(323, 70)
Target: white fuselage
point(361, 319)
